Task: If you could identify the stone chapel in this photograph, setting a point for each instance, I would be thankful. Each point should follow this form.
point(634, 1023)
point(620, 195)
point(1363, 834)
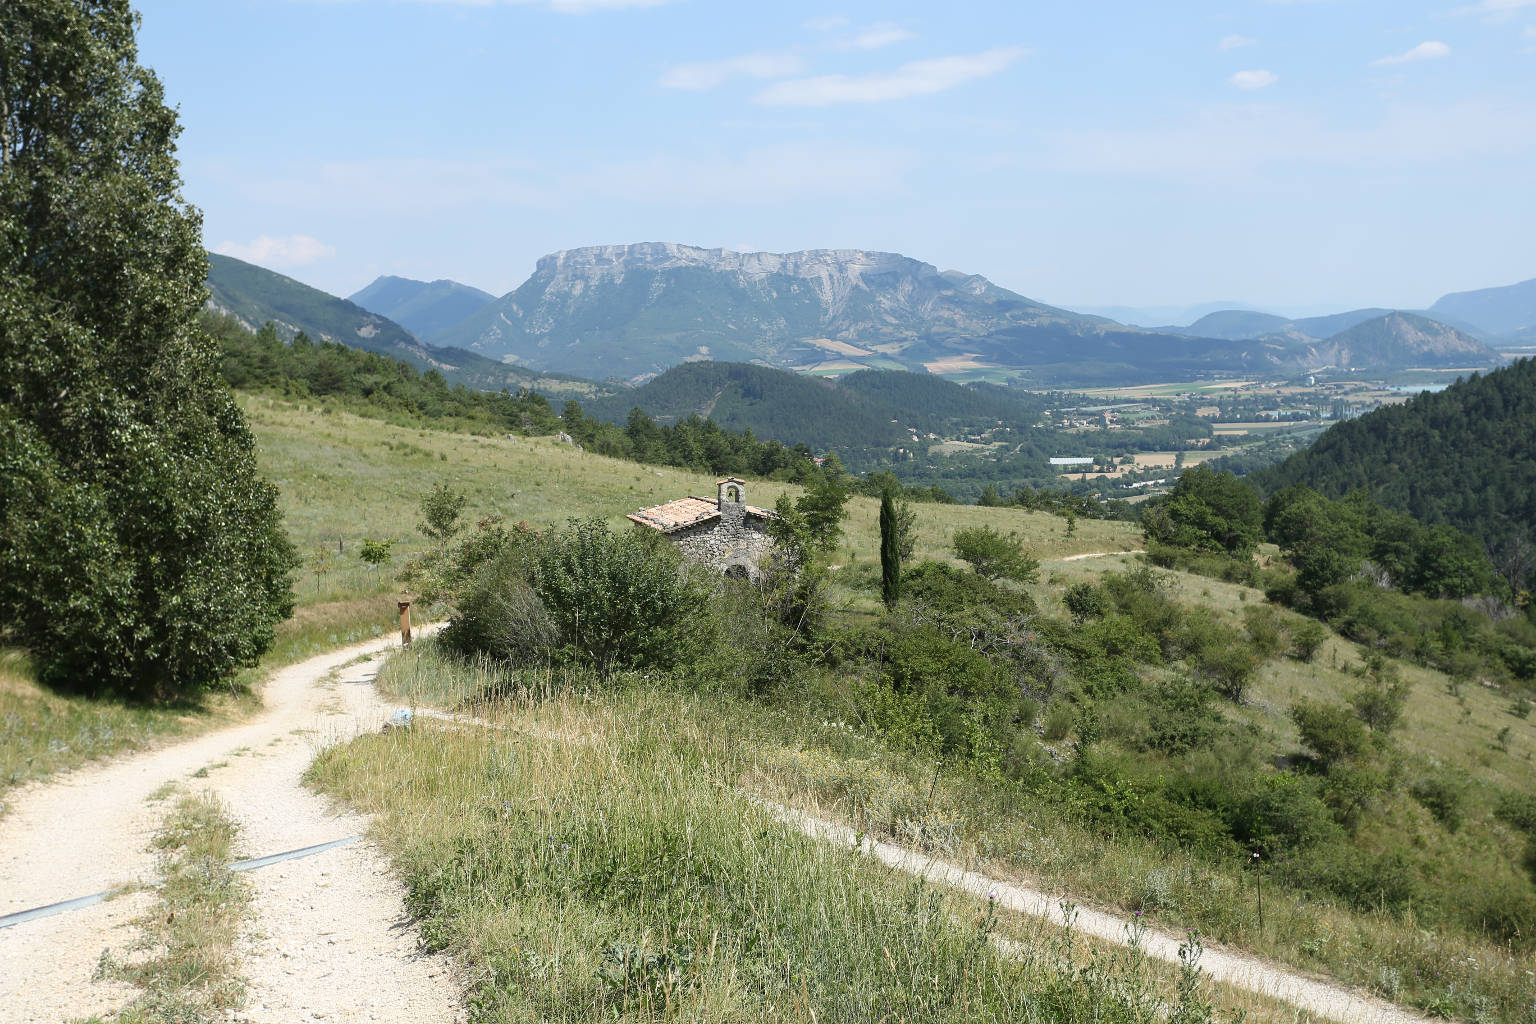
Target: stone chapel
point(726, 533)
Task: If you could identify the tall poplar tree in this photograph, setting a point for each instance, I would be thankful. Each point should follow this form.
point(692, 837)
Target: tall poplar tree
point(140, 551)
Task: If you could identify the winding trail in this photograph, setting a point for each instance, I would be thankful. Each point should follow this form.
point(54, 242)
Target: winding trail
point(329, 939)
point(1101, 554)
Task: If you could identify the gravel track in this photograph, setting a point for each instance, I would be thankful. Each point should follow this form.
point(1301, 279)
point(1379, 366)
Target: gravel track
point(329, 939)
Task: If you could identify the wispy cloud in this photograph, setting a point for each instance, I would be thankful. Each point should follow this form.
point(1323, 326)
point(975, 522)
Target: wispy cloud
point(710, 73)
point(917, 78)
point(1256, 79)
point(876, 36)
point(283, 251)
point(1234, 42)
point(1429, 50)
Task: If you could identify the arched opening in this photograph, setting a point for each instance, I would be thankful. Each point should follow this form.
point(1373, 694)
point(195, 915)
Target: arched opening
point(733, 493)
point(737, 572)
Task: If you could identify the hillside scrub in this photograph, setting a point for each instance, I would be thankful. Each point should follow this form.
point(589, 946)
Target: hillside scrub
point(596, 859)
point(1140, 692)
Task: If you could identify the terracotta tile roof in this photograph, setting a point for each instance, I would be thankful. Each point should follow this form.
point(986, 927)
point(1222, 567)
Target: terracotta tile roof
point(686, 512)
point(677, 515)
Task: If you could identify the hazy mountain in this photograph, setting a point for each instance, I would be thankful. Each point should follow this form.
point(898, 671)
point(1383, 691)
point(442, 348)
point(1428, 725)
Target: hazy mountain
point(254, 296)
point(1398, 341)
point(1153, 317)
point(421, 307)
point(1503, 310)
point(635, 310)
point(1241, 324)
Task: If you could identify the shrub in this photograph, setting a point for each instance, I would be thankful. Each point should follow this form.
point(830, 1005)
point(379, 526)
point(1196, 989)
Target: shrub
point(1307, 638)
point(1331, 732)
point(995, 555)
point(1178, 717)
point(956, 596)
point(1266, 631)
point(588, 596)
point(1517, 810)
point(1084, 601)
point(1379, 701)
point(1504, 909)
point(959, 687)
point(1229, 666)
point(1444, 794)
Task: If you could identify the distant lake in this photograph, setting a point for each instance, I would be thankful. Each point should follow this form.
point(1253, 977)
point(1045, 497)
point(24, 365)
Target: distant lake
point(1414, 389)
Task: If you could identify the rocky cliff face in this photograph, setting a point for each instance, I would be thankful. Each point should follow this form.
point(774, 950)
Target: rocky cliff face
point(636, 309)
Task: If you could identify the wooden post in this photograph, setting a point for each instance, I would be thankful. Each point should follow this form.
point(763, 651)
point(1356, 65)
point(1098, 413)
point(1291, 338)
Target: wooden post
point(405, 623)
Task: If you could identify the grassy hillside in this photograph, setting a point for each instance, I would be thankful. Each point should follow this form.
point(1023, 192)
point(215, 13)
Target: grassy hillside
point(344, 479)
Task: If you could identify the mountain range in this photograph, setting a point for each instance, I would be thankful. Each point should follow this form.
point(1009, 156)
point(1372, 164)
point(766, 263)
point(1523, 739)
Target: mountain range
point(634, 310)
point(626, 313)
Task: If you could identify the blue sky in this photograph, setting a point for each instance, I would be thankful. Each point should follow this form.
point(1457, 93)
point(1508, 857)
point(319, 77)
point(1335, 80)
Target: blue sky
point(1296, 156)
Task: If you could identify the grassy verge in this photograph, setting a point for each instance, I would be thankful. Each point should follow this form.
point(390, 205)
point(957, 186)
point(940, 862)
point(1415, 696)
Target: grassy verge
point(43, 732)
point(184, 959)
point(594, 859)
point(837, 770)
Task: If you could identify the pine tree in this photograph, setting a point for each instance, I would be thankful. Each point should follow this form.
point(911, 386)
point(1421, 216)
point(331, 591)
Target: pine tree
point(140, 552)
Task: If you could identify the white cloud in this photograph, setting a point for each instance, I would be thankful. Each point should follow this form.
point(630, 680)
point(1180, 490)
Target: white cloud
point(1256, 79)
point(710, 73)
point(285, 251)
point(1234, 42)
point(1429, 50)
point(917, 78)
point(883, 34)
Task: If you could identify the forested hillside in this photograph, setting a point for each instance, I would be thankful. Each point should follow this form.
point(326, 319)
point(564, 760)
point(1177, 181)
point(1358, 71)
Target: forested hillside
point(1465, 456)
point(867, 409)
point(768, 402)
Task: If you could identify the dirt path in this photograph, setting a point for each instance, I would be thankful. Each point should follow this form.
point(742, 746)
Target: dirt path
point(1323, 998)
point(329, 940)
point(1101, 554)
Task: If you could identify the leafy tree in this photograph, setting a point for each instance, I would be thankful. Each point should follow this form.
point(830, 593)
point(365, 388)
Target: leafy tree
point(375, 552)
point(140, 551)
point(995, 555)
point(440, 512)
point(1207, 511)
point(890, 551)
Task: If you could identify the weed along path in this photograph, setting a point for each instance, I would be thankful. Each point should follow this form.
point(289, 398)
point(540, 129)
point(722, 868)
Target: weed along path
point(1234, 968)
point(328, 938)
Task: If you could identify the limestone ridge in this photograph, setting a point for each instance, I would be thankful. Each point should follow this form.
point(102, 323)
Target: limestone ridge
point(637, 309)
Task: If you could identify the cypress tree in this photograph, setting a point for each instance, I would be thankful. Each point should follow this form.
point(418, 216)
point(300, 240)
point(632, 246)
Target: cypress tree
point(890, 549)
point(140, 552)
